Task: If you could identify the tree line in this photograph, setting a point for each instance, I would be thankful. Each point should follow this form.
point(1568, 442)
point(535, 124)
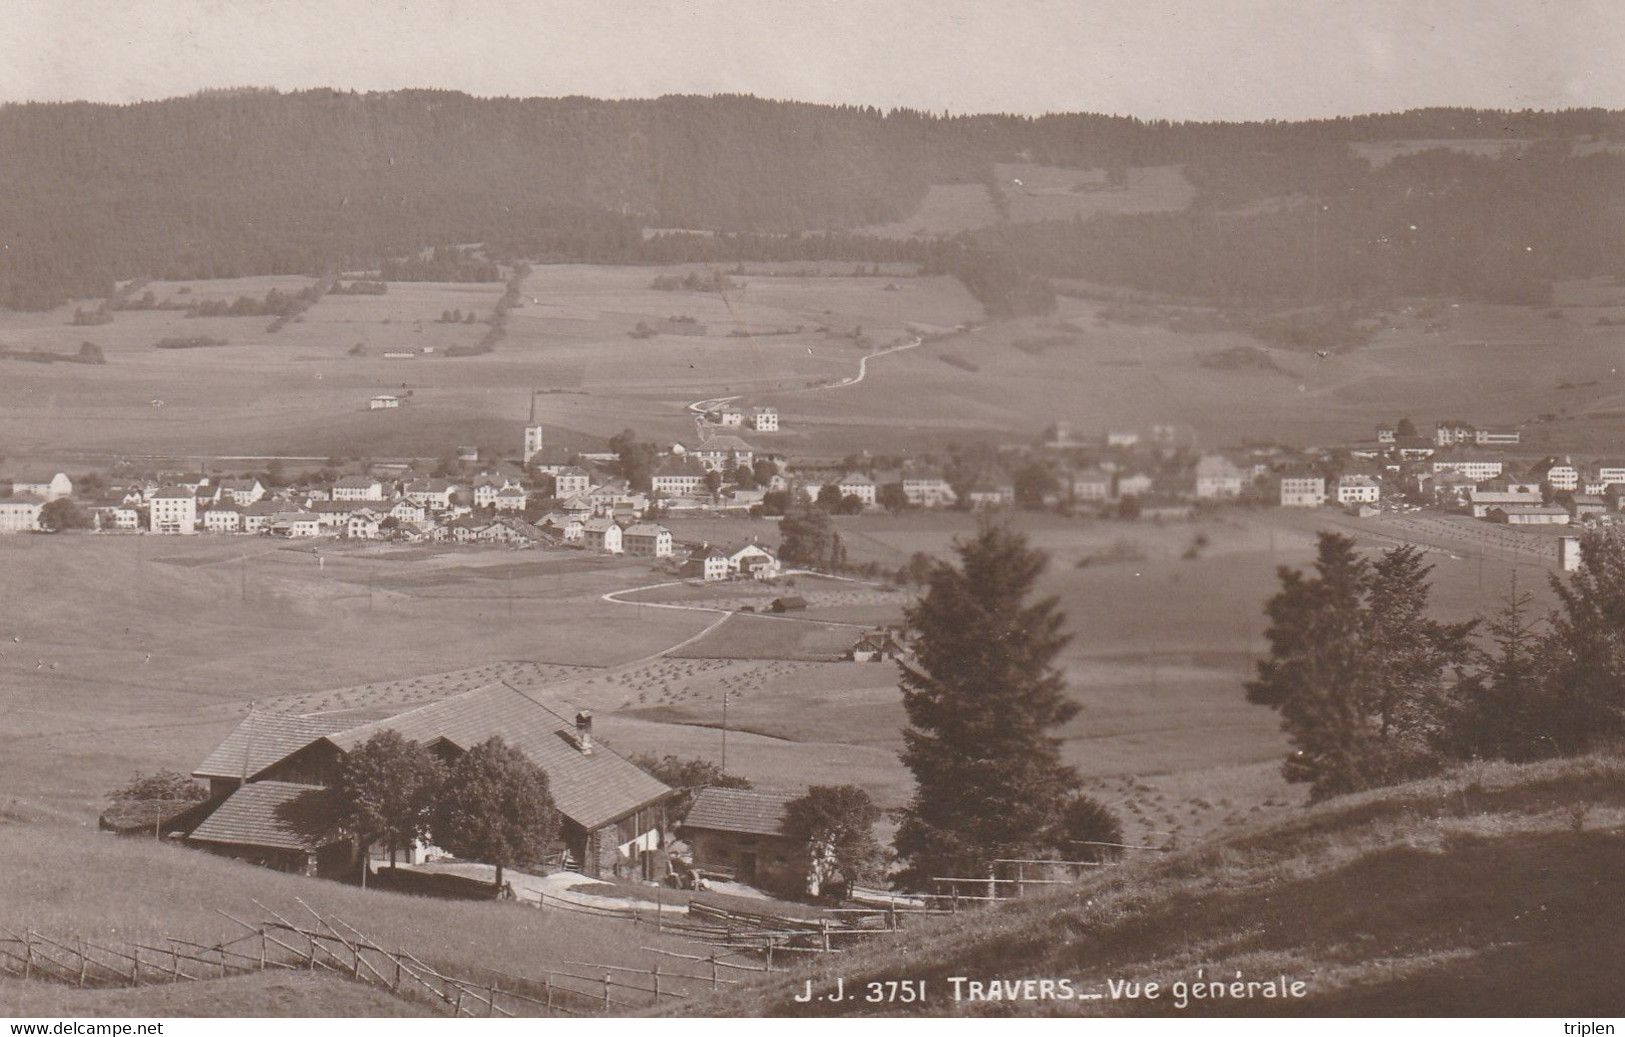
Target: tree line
point(1372, 690)
point(257, 182)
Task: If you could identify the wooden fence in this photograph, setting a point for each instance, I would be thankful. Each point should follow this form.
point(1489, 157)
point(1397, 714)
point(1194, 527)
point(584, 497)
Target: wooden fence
point(328, 943)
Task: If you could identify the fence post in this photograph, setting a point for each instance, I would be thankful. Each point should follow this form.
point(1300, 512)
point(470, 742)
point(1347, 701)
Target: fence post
point(135, 970)
point(28, 954)
point(396, 985)
point(657, 982)
point(84, 961)
point(660, 911)
point(955, 887)
point(491, 999)
point(713, 970)
point(174, 964)
point(606, 992)
point(992, 884)
point(823, 928)
point(1021, 875)
point(263, 953)
point(547, 989)
point(457, 1009)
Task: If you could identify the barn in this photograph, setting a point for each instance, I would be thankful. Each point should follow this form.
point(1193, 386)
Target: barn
point(738, 834)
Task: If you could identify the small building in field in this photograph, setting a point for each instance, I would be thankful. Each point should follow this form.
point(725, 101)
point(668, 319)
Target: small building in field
point(738, 834)
point(384, 402)
point(1568, 554)
point(1529, 515)
point(876, 646)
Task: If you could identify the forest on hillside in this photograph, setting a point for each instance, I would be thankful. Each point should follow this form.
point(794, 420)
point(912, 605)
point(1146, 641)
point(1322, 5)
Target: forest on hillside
point(231, 183)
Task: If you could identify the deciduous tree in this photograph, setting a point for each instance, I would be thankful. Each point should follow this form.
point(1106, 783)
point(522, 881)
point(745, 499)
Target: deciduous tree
point(495, 807)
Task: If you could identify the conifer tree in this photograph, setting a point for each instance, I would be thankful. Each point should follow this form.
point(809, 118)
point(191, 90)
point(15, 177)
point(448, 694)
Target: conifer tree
point(983, 700)
point(1583, 656)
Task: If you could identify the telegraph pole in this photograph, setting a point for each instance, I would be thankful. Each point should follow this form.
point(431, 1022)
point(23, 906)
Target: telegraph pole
point(724, 730)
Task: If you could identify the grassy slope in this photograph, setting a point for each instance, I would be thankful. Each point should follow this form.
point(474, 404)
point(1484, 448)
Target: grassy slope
point(1490, 891)
point(63, 882)
point(271, 994)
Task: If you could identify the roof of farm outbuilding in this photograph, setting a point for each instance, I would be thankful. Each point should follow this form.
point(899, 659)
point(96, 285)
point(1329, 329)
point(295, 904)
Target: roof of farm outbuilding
point(738, 810)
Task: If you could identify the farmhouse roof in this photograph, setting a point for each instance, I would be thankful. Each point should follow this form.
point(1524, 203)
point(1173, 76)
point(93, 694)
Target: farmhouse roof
point(600, 524)
point(738, 810)
point(260, 741)
point(275, 814)
point(645, 529)
point(355, 482)
point(591, 789)
point(858, 479)
point(174, 493)
point(238, 484)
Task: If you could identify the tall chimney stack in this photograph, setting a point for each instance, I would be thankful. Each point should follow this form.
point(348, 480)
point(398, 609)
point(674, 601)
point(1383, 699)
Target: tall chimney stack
point(584, 732)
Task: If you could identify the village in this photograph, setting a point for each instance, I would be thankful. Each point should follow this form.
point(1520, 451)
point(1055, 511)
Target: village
point(540, 499)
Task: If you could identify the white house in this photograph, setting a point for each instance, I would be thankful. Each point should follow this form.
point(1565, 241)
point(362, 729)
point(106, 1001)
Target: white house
point(20, 514)
point(297, 524)
point(173, 510)
point(358, 488)
point(1473, 466)
point(223, 518)
point(434, 494)
point(857, 485)
point(363, 525)
point(1092, 485)
point(927, 490)
point(723, 453)
point(753, 560)
point(728, 416)
point(1217, 478)
point(571, 482)
point(241, 492)
point(679, 477)
point(384, 402)
point(1358, 489)
point(764, 419)
point(47, 488)
point(511, 497)
point(407, 511)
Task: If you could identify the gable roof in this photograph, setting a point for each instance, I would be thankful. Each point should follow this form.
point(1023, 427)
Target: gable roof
point(589, 789)
point(718, 444)
point(261, 740)
point(275, 814)
point(738, 810)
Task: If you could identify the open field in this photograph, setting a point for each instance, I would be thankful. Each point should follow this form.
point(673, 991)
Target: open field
point(946, 210)
point(314, 995)
point(1053, 193)
point(298, 392)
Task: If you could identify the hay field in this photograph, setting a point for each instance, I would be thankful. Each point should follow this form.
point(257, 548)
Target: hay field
point(127, 654)
point(1035, 192)
point(1482, 363)
point(946, 210)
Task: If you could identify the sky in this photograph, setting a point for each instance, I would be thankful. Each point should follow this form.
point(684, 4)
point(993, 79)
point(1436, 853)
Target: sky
point(1175, 59)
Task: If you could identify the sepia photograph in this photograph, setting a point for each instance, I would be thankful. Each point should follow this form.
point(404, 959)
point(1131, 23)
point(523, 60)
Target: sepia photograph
point(717, 510)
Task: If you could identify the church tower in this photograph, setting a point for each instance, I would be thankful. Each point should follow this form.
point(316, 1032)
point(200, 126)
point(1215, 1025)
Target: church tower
point(533, 432)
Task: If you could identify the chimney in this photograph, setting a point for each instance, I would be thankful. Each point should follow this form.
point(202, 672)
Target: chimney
point(584, 732)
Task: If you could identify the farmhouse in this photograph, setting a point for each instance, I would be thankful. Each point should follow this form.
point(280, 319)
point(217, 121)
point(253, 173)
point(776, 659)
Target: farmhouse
point(257, 516)
point(1481, 501)
point(363, 525)
point(408, 511)
point(266, 777)
point(875, 646)
point(728, 416)
point(738, 834)
point(764, 419)
point(46, 487)
point(709, 563)
point(296, 524)
point(511, 498)
point(753, 560)
point(20, 514)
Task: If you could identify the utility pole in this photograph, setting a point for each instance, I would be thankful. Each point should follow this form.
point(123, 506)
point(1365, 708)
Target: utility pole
point(724, 730)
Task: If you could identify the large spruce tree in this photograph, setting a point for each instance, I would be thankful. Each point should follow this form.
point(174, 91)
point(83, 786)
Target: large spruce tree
point(1360, 673)
point(983, 696)
point(1583, 656)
